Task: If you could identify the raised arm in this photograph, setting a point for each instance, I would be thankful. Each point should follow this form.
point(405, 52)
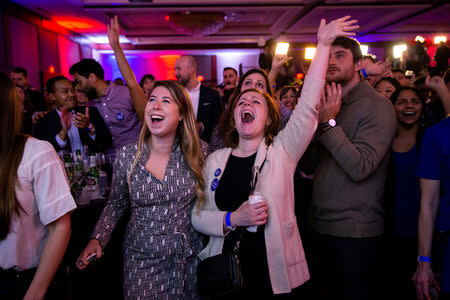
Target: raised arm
point(137, 94)
point(303, 121)
point(437, 84)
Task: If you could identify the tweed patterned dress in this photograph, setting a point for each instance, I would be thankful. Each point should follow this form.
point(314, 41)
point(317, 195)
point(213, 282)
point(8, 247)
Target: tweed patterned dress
point(160, 245)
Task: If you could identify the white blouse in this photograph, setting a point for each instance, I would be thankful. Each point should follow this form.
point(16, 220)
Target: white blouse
point(43, 192)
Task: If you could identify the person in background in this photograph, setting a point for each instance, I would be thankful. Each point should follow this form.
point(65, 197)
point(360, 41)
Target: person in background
point(20, 77)
point(352, 147)
point(122, 116)
point(158, 178)
point(205, 101)
point(35, 206)
point(399, 74)
point(230, 80)
point(254, 143)
point(386, 86)
point(403, 193)
point(67, 130)
point(289, 96)
point(27, 110)
point(119, 81)
point(146, 83)
point(434, 223)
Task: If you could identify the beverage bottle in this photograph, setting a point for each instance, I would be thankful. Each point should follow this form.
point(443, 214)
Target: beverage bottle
point(79, 167)
point(93, 175)
point(252, 199)
point(86, 158)
point(68, 166)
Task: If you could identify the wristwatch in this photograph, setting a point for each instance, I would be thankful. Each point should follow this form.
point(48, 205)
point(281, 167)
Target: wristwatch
point(331, 123)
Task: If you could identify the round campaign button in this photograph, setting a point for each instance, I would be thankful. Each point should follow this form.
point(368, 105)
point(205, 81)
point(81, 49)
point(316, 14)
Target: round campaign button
point(214, 184)
point(217, 172)
point(119, 116)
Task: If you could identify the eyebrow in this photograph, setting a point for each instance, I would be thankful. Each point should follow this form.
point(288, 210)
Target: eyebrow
point(340, 52)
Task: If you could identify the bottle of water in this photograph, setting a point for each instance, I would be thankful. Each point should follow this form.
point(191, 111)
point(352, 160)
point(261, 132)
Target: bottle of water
point(255, 197)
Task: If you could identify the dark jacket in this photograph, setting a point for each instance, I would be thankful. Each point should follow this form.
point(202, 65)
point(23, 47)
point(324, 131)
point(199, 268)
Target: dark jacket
point(208, 111)
point(50, 125)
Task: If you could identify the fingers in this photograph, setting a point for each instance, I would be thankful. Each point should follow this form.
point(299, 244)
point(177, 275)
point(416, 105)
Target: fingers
point(87, 112)
point(343, 19)
point(322, 23)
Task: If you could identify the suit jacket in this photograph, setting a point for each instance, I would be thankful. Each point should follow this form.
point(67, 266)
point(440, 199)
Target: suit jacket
point(209, 109)
point(50, 125)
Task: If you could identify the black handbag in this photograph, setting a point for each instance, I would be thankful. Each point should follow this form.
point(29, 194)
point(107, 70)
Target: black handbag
point(220, 274)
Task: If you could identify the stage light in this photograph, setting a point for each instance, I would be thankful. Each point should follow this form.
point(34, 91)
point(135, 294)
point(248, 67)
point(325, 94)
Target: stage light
point(309, 52)
point(398, 50)
point(419, 39)
point(282, 48)
point(364, 49)
point(440, 39)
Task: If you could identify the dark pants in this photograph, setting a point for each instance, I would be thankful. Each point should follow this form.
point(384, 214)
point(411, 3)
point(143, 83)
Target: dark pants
point(346, 268)
point(14, 285)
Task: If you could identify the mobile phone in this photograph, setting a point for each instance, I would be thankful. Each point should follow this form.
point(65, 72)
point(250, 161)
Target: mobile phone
point(91, 258)
point(80, 109)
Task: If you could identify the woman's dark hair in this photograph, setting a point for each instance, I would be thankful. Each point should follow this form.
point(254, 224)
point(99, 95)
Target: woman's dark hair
point(231, 136)
point(27, 105)
point(286, 89)
point(12, 145)
point(391, 80)
point(144, 78)
point(228, 113)
point(397, 92)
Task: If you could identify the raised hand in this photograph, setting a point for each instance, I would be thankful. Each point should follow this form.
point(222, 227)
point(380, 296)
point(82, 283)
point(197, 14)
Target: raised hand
point(279, 60)
point(113, 33)
point(344, 26)
point(376, 69)
point(435, 83)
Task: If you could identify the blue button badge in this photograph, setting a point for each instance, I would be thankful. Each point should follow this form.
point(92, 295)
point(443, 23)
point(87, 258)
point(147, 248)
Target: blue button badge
point(119, 116)
point(214, 184)
point(217, 172)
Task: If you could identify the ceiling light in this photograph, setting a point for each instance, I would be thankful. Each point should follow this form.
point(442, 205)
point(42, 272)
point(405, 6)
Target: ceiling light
point(309, 52)
point(364, 49)
point(420, 39)
point(440, 39)
point(398, 50)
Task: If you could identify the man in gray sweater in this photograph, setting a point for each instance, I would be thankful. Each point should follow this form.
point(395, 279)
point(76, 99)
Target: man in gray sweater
point(355, 135)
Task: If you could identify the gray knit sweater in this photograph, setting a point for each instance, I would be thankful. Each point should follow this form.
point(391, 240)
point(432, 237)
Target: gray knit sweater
point(349, 179)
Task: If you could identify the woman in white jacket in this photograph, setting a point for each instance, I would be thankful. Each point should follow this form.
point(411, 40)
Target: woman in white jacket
point(272, 259)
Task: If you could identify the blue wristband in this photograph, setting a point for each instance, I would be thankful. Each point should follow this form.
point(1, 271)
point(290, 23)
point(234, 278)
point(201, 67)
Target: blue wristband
point(424, 258)
point(228, 222)
point(364, 73)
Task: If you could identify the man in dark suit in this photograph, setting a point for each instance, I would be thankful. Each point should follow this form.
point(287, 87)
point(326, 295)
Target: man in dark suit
point(205, 101)
point(67, 130)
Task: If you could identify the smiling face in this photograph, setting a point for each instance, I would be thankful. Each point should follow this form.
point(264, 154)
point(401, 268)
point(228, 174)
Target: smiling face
point(408, 108)
point(162, 113)
point(385, 88)
point(255, 81)
point(289, 99)
point(63, 95)
point(251, 115)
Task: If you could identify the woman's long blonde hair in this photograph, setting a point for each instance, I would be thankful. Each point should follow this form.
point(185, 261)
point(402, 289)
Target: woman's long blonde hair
point(12, 144)
point(187, 136)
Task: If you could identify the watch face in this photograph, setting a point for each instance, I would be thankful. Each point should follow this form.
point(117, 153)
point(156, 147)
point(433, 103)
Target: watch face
point(332, 122)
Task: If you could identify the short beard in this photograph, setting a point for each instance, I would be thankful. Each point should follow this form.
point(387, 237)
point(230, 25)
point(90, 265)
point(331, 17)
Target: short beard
point(91, 93)
point(182, 81)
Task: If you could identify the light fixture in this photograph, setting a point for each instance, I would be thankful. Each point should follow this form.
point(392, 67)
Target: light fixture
point(440, 39)
point(200, 78)
point(419, 39)
point(309, 52)
point(282, 48)
point(364, 49)
point(398, 50)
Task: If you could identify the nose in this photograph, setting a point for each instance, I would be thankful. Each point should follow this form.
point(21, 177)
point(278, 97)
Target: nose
point(331, 60)
point(156, 105)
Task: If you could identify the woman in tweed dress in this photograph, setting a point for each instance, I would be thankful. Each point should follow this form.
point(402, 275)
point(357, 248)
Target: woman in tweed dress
point(159, 178)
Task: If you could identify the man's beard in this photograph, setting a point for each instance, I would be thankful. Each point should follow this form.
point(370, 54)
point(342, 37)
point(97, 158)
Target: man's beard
point(343, 78)
point(182, 81)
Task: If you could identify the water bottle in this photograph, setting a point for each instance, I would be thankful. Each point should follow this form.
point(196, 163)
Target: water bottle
point(252, 199)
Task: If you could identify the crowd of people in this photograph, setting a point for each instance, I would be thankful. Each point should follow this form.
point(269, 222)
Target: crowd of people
point(353, 164)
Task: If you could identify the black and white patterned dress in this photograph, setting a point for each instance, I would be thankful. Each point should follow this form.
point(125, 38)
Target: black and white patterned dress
point(160, 246)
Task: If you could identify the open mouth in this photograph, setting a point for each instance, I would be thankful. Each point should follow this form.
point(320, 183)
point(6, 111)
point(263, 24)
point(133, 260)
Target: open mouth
point(156, 118)
point(247, 116)
point(409, 113)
